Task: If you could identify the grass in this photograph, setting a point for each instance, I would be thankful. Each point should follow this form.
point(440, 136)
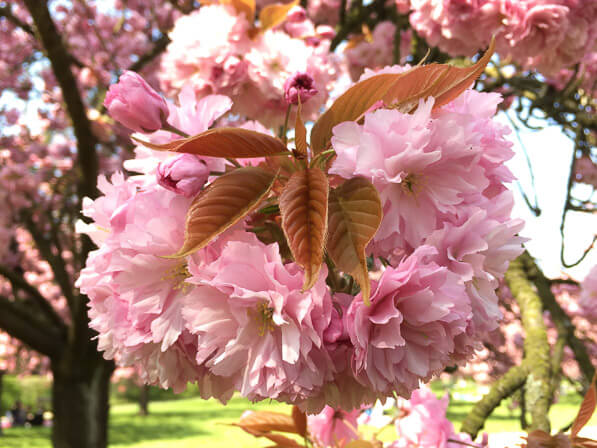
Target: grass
point(198, 423)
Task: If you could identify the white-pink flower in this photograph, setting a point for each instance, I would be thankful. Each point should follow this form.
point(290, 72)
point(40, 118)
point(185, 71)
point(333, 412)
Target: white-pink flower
point(333, 428)
point(254, 325)
point(407, 334)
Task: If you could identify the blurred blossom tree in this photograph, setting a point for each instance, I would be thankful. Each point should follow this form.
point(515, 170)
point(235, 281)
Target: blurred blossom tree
point(237, 64)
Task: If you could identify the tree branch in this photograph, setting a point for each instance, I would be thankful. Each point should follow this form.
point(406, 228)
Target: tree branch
point(56, 262)
point(21, 324)
point(61, 61)
point(536, 345)
point(158, 47)
point(6, 12)
point(35, 295)
point(502, 388)
point(561, 320)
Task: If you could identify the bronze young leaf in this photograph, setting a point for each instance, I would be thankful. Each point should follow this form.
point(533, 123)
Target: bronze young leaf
point(304, 206)
point(222, 204)
point(225, 142)
point(355, 213)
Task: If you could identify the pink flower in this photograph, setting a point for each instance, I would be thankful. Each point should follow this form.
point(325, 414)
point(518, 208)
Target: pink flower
point(588, 295)
point(183, 174)
point(255, 326)
point(407, 333)
point(425, 424)
point(135, 104)
point(585, 171)
point(299, 85)
point(457, 27)
point(333, 428)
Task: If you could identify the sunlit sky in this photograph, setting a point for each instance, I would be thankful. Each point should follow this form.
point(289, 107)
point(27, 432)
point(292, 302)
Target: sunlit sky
point(550, 152)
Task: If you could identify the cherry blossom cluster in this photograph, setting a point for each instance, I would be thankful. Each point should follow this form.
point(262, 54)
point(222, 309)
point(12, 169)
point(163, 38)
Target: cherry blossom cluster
point(233, 316)
point(216, 50)
point(537, 34)
point(419, 422)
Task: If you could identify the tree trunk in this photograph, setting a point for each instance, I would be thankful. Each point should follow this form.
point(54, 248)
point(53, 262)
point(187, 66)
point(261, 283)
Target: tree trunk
point(144, 399)
point(80, 400)
point(1, 410)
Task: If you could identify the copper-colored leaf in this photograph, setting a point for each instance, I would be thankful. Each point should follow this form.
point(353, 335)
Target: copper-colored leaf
point(540, 439)
point(360, 444)
point(400, 90)
point(350, 106)
point(303, 207)
point(441, 81)
point(265, 421)
point(583, 442)
point(225, 142)
point(300, 421)
point(222, 204)
point(354, 216)
point(300, 133)
point(586, 410)
point(282, 441)
point(246, 7)
point(273, 15)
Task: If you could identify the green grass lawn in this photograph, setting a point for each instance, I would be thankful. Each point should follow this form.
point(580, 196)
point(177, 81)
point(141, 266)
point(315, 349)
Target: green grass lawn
point(198, 423)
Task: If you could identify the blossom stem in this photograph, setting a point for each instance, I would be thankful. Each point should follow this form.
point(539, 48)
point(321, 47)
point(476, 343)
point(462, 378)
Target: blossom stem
point(285, 128)
point(168, 127)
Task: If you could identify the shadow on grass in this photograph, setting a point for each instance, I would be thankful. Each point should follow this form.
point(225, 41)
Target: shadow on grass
point(129, 429)
point(25, 437)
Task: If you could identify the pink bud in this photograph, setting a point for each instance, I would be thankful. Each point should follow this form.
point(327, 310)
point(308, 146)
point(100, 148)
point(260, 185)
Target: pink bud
point(296, 14)
point(299, 84)
point(184, 174)
point(325, 32)
point(133, 103)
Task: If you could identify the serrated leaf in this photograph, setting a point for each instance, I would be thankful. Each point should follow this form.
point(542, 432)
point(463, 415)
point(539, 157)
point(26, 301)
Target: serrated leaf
point(246, 7)
point(400, 90)
point(300, 133)
point(266, 421)
point(587, 408)
point(303, 207)
point(224, 142)
point(441, 81)
point(350, 106)
point(273, 15)
point(282, 441)
point(300, 421)
point(354, 215)
point(222, 204)
point(360, 444)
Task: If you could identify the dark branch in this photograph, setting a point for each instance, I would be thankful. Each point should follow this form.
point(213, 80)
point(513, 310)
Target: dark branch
point(25, 326)
point(35, 295)
point(61, 62)
point(158, 47)
point(7, 13)
point(561, 320)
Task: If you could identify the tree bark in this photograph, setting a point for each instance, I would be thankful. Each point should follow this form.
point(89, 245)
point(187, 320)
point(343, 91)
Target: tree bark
point(536, 346)
point(80, 395)
point(144, 399)
point(1, 410)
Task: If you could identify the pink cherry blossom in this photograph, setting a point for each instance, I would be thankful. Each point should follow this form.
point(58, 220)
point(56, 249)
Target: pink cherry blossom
point(588, 296)
point(333, 428)
point(408, 332)
point(135, 104)
point(254, 325)
point(299, 85)
point(183, 174)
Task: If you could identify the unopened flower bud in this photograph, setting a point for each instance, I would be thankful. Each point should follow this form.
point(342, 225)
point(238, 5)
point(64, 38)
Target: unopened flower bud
point(296, 14)
point(135, 104)
point(299, 84)
point(184, 174)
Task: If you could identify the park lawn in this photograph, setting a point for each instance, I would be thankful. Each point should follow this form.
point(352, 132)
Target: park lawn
point(198, 423)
